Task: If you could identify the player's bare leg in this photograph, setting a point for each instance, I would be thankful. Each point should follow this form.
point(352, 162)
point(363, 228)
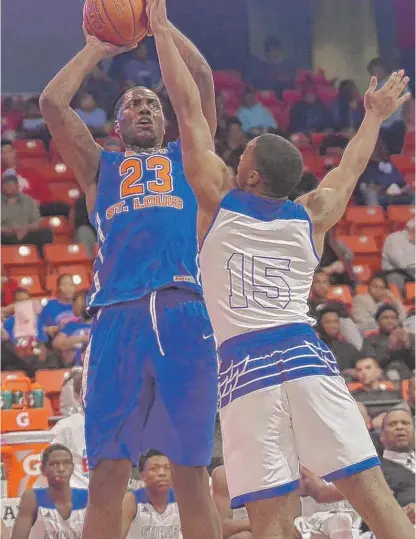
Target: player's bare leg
point(108, 485)
point(274, 518)
point(372, 498)
point(199, 516)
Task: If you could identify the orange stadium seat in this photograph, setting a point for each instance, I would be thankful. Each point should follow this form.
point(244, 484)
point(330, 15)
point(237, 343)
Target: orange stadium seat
point(5, 374)
point(397, 216)
point(80, 277)
point(228, 80)
point(409, 143)
point(269, 99)
point(30, 149)
point(57, 172)
point(291, 97)
point(409, 178)
point(355, 386)
point(365, 249)
point(314, 164)
point(317, 139)
point(409, 291)
point(62, 228)
point(51, 382)
point(404, 388)
point(327, 94)
point(366, 220)
point(341, 293)
point(19, 259)
point(67, 192)
point(66, 255)
point(405, 163)
point(362, 273)
point(31, 283)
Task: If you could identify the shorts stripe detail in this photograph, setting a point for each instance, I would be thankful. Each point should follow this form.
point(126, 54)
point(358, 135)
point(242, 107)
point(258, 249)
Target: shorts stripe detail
point(153, 316)
point(265, 494)
point(353, 469)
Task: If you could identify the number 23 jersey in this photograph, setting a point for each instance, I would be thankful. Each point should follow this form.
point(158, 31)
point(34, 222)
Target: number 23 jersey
point(145, 216)
point(257, 262)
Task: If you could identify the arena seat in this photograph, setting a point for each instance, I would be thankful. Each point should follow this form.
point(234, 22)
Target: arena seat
point(314, 164)
point(80, 277)
point(5, 374)
point(51, 382)
point(291, 97)
point(65, 255)
point(31, 283)
point(228, 80)
point(409, 178)
point(409, 291)
point(327, 94)
point(365, 250)
point(341, 293)
point(56, 172)
point(60, 226)
point(362, 273)
point(405, 163)
point(21, 259)
point(366, 220)
point(317, 139)
point(30, 149)
point(269, 99)
point(404, 388)
point(397, 216)
point(67, 192)
point(409, 143)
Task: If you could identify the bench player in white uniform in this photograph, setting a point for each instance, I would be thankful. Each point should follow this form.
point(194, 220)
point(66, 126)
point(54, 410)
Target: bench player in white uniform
point(282, 398)
point(55, 512)
point(152, 512)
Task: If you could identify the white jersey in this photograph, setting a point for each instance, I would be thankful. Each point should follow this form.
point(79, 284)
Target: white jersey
point(149, 524)
point(70, 432)
point(257, 262)
point(49, 523)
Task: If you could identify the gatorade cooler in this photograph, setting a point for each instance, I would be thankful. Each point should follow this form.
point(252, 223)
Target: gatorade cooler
point(21, 456)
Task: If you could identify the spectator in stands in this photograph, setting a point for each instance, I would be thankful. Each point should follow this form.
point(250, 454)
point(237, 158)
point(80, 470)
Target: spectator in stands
point(31, 183)
point(333, 145)
point(33, 124)
point(308, 183)
point(348, 109)
point(147, 508)
point(84, 231)
point(8, 289)
point(235, 139)
point(381, 183)
point(393, 128)
point(398, 462)
point(309, 114)
point(93, 117)
point(58, 310)
point(374, 434)
point(398, 257)
point(318, 300)
point(364, 306)
point(142, 70)
point(253, 115)
point(391, 345)
point(72, 338)
point(373, 393)
point(330, 332)
point(222, 116)
point(70, 432)
point(336, 260)
point(20, 217)
point(235, 524)
point(103, 89)
point(410, 397)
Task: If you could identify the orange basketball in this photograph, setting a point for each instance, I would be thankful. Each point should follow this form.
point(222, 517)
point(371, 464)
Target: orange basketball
point(120, 22)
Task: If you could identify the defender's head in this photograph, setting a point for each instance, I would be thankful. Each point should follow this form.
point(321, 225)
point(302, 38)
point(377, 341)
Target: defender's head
point(139, 118)
point(270, 165)
point(57, 465)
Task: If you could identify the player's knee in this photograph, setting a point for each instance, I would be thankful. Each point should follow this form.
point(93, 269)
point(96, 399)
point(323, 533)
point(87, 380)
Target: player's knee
point(191, 483)
point(109, 479)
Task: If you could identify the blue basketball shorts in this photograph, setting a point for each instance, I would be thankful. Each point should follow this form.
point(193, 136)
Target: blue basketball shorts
point(283, 403)
point(150, 380)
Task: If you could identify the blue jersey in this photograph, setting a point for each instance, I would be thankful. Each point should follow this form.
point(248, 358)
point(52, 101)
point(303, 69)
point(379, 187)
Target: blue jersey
point(145, 216)
point(55, 313)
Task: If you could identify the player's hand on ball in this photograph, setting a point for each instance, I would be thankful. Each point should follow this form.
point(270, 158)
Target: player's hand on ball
point(157, 15)
point(385, 101)
point(107, 49)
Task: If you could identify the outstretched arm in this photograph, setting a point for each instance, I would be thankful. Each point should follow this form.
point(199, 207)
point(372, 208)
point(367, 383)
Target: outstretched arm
point(201, 73)
point(205, 171)
point(72, 137)
point(328, 202)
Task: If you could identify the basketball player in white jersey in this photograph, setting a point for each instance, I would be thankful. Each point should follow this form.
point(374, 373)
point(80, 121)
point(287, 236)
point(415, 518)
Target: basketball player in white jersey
point(282, 398)
point(152, 511)
point(55, 512)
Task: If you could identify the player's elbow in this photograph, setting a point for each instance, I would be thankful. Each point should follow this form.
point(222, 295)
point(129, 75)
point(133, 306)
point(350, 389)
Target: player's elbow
point(48, 101)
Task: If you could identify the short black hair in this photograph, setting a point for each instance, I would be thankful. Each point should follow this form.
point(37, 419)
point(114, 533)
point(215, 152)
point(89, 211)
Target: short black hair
point(376, 62)
point(383, 423)
point(383, 308)
point(144, 458)
point(6, 142)
point(50, 449)
point(120, 100)
point(327, 308)
point(364, 356)
point(279, 164)
point(233, 120)
point(332, 141)
point(380, 275)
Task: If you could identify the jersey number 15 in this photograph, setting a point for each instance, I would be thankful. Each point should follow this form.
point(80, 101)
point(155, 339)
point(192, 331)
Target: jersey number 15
point(260, 279)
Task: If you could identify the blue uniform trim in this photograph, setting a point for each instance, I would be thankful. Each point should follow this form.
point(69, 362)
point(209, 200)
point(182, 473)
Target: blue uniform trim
point(142, 496)
point(79, 498)
point(352, 469)
point(265, 494)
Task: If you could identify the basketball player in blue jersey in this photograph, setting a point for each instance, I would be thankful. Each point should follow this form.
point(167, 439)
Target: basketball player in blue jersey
point(282, 398)
point(150, 365)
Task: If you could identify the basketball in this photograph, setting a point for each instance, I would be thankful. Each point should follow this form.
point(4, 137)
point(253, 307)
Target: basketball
point(119, 22)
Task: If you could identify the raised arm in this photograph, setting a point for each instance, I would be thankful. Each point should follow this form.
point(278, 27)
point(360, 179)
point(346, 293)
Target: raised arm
point(205, 171)
point(328, 202)
point(72, 137)
point(201, 73)
point(26, 517)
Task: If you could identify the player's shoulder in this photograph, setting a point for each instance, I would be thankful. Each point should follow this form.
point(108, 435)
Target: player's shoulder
point(79, 498)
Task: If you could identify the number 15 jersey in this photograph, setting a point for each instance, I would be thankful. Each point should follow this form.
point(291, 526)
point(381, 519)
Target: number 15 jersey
point(257, 262)
point(145, 216)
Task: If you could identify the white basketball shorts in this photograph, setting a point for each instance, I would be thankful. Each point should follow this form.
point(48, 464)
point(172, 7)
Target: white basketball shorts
point(283, 402)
